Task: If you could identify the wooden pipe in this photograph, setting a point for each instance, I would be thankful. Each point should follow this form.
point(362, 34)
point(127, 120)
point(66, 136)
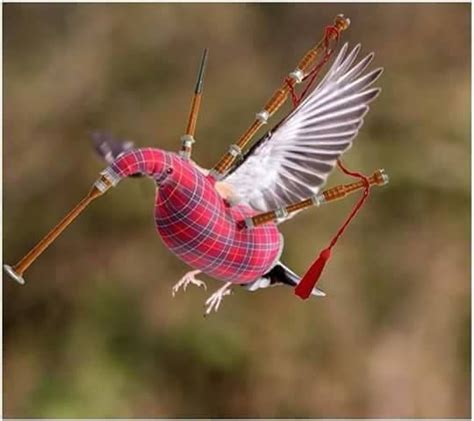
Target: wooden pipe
point(107, 180)
point(187, 139)
point(278, 98)
point(378, 178)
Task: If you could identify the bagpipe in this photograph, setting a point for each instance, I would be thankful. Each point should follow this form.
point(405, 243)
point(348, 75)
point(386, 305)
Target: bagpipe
point(302, 79)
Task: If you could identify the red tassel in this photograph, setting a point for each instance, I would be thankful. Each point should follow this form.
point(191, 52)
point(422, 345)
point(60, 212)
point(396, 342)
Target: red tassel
point(306, 285)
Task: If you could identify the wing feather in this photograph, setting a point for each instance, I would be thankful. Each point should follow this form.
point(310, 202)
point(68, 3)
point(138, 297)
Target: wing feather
point(294, 160)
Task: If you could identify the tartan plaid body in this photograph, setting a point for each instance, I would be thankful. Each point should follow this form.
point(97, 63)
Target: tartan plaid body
point(197, 225)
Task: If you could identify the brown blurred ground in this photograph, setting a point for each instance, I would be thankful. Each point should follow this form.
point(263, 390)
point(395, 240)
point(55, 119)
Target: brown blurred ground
point(96, 333)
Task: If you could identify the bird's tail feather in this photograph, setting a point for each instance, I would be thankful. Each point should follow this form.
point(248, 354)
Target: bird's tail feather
point(108, 147)
point(279, 275)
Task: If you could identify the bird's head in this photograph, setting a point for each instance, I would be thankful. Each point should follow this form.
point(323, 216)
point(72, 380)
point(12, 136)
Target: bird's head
point(152, 162)
point(165, 168)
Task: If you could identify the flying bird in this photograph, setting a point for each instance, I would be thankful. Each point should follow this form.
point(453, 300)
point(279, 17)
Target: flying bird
point(206, 221)
point(223, 222)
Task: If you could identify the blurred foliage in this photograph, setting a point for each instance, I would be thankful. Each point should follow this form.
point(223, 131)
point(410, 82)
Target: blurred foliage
point(95, 333)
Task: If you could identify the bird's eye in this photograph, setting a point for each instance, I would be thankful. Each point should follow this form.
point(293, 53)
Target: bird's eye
point(169, 170)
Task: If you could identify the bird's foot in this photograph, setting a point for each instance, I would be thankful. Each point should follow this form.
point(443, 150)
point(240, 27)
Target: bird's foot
point(189, 278)
point(214, 301)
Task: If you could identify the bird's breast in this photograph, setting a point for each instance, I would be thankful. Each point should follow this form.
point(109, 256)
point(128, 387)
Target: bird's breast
point(198, 226)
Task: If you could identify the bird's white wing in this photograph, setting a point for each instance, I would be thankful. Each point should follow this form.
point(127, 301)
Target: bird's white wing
point(293, 161)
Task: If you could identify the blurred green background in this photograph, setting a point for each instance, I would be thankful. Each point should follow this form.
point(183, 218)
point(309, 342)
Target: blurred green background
point(96, 333)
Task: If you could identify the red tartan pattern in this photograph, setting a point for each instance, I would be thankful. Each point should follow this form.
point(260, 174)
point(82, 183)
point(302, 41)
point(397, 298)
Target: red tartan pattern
point(197, 225)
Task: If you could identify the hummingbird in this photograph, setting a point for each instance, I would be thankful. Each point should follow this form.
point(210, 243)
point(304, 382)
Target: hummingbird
point(206, 221)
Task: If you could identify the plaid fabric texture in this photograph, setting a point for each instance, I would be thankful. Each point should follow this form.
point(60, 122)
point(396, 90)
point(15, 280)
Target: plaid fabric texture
point(197, 225)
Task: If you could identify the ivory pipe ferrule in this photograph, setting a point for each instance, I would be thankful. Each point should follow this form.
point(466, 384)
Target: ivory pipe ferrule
point(13, 274)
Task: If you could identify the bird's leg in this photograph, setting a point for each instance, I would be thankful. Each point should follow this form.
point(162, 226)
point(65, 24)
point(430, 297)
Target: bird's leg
point(189, 278)
point(214, 301)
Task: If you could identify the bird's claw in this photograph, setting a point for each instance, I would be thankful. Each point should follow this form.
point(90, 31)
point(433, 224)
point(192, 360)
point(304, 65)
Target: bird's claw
point(189, 278)
point(214, 301)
